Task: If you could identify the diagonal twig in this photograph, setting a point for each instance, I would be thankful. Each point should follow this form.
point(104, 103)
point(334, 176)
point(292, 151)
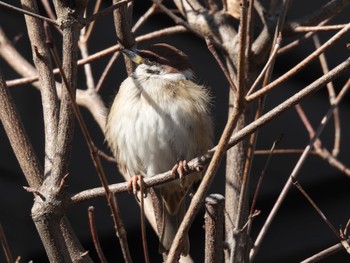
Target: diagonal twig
point(294, 174)
point(26, 12)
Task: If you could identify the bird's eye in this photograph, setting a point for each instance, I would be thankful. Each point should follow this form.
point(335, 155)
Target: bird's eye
point(151, 59)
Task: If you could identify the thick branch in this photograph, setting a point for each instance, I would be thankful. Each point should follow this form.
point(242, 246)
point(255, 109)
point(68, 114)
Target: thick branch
point(42, 61)
point(122, 23)
point(70, 25)
point(19, 140)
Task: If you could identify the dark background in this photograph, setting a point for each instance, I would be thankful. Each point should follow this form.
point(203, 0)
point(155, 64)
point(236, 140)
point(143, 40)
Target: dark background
point(297, 231)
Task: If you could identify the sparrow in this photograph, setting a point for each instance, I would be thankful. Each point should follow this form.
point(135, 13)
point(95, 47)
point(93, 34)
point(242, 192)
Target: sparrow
point(160, 118)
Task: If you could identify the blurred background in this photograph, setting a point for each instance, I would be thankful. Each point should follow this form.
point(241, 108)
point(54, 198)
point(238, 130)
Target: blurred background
point(296, 233)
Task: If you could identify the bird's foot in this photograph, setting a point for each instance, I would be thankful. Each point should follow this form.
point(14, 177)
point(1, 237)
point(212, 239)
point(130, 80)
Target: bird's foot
point(134, 186)
point(181, 168)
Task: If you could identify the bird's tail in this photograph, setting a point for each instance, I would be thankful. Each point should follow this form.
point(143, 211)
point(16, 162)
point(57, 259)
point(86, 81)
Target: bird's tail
point(171, 223)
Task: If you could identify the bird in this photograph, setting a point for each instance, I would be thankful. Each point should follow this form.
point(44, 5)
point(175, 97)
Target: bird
point(159, 119)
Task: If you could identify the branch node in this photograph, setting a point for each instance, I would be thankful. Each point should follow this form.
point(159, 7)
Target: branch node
point(62, 183)
point(35, 192)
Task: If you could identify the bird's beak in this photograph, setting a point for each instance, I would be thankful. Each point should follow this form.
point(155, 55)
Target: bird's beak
point(133, 55)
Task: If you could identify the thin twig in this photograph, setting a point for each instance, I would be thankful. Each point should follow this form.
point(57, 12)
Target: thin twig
point(5, 245)
point(300, 65)
point(48, 9)
point(318, 28)
point(106, 11)
point(262, 175)
point(319, 150)
point(281, 151)
point(94, 235)
point(224, 70)
point(179, 21)
point(318, 210)
point(35, 192)
point(307, 124)
point(294, 174)
point(22, 11)
point(105, 156)
point(331, 94)
point(89, 29)
point(105, 52)
point(344, 232)
point(324, 253)
point(340, 235)
point(329, 10)
point(106, 71)
point(267, 65)
point(143, 221)
point(296, 42)
point(150, 11)
point(332, 161)
point(90, 83)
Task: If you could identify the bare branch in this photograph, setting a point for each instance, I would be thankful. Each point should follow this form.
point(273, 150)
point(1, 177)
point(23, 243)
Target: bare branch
point(113, 7)
point(300, 65)
point(319, 28)
point(42, 61)
point(215, 55)
point(332, 95)
point(90, 27)
point(329, 10)
point(5, 245)
point(295, 172)
point(318, 210)
point(122, 23)
point(324, 253)
point(97, 163)
point(94, 235)
point(29, 13)
point(18, 137)
point(214, 232)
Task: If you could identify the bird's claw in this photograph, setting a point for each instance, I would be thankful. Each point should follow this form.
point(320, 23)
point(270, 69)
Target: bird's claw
point(134, 186)
point(181, 168)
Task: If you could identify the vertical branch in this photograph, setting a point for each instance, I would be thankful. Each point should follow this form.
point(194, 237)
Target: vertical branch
point(214, 232)
point(42, 61)
point(203, 188)
point(18, 137)
point(267, 77)
point(122, 23)
point(96, 161)
point(237, 211)
point(60, 242)
point(94, 235)
point(71, 23)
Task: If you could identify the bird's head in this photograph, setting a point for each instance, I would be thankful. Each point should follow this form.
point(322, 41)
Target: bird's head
point(161, 60)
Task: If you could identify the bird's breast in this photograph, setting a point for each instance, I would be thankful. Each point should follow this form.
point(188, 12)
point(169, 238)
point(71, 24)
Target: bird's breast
point(154, 128)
